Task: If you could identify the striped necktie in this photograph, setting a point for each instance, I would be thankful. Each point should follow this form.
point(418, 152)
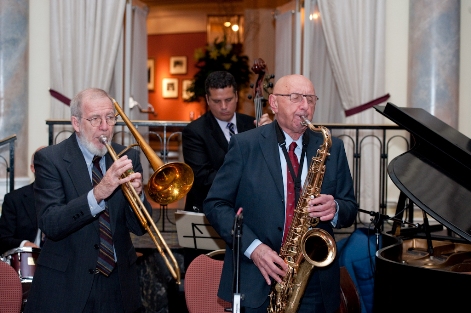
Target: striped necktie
point(230, 126)
point(290, 192)
point(105, 263)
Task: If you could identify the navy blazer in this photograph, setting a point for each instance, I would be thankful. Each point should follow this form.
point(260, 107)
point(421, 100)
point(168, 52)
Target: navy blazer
point(204, 147)
point(63, 277)
point(18, 221)
point(251, 178)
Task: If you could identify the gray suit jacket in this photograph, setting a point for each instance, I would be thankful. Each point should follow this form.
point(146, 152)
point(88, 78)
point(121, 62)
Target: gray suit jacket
point(251, 178)
point(63, 278)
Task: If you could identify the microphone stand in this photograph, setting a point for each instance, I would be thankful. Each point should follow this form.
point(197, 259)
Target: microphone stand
point(378, 221)
point(237, 235)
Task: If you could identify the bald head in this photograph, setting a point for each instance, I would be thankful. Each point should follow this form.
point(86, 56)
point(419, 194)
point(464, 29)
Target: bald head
point(293, 97)
point(287, 83)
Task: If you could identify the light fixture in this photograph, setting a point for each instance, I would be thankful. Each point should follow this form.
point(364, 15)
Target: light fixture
point(314, 16)
point(227, 24)
point(235, 27)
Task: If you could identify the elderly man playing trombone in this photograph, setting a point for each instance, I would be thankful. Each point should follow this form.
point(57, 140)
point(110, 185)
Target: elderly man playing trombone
point(88, 261)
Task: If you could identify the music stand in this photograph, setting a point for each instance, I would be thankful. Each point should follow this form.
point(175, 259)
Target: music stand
point(195, 231)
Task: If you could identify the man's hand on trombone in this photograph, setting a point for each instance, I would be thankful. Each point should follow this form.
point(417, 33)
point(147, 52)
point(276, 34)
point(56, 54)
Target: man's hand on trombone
point(114, 177)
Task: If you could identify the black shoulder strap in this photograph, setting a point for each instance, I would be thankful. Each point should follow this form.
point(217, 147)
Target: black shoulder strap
point(282, 143)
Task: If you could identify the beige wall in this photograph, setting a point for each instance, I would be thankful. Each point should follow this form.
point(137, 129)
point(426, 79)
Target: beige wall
point(464, 124)
point(396, 62)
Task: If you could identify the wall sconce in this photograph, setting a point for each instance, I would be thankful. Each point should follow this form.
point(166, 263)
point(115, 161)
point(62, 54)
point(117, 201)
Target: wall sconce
point(133, 103)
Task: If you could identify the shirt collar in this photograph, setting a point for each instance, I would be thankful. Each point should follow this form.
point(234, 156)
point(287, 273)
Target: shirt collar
point(289, 140)
point(223, 124)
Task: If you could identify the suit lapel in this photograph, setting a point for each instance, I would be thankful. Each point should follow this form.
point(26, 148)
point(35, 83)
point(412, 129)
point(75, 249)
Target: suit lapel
point(76, 167)
point(269, 149)
point(216, 131)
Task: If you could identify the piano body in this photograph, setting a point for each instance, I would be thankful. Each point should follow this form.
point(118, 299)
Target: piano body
point(426, 272)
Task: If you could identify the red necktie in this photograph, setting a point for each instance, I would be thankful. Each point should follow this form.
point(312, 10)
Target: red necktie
point(106, 261)
point(290, 192)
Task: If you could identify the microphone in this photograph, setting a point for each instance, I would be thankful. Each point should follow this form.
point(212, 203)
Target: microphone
point(239, 217)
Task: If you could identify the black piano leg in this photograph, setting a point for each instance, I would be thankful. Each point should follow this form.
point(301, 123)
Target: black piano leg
point(427, 234)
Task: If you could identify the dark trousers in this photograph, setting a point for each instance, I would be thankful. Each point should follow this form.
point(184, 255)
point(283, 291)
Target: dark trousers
point(105, 295)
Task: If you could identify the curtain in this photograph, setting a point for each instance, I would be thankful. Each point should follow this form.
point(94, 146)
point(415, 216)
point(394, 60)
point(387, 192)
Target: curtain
point(319, 70)
point(85, 36)
point(284, 42)
point(138, 83)
point(354, 32)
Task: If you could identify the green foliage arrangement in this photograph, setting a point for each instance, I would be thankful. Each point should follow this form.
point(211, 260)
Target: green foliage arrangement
point(219, 56)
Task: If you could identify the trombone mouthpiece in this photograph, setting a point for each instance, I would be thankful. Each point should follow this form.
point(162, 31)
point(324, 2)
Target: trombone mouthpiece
point(103, 139)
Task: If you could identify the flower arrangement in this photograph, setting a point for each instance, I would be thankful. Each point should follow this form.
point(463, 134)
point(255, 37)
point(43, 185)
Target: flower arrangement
point(219, 56)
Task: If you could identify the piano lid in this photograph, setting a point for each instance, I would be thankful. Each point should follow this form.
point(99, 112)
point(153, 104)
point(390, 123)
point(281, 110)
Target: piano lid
point(436, 173)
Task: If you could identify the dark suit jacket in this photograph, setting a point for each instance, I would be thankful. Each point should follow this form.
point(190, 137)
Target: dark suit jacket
point(204, 147)
point(251, 178)
point(18, 221)
point(63, 278)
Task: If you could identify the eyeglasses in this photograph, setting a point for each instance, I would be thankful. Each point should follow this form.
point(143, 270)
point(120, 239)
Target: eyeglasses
point(297, 97)
point(96, 121)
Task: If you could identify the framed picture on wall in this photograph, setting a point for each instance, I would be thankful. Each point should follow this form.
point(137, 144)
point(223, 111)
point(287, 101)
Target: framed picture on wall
point(185, 84)
point(150, 74)
point(170, 87)
point(178, 65)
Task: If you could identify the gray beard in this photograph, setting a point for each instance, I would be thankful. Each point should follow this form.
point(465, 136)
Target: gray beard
point(94, 150)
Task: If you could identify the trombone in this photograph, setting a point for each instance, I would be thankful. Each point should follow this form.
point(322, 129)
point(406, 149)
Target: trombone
point(169, 183)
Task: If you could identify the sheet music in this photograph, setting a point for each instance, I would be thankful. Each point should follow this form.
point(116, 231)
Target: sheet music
point(195, 231)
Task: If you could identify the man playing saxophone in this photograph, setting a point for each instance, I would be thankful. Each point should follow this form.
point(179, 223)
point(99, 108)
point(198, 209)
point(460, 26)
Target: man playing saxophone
point(87, 262)
point(260, 174)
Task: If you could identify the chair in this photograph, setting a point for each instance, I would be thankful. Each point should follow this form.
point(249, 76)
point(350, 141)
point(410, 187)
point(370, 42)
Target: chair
point(201, 284)
point(349, 298)
point(11, 294)
point(357, 255)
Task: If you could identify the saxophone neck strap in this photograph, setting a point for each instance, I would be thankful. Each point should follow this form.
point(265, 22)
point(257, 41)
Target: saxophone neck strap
point(282, 143)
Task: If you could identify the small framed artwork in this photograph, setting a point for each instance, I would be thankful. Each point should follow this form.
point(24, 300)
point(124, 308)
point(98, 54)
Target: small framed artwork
point(170, 87)
point(150, 74)
point(185, 84)
point(178, 65)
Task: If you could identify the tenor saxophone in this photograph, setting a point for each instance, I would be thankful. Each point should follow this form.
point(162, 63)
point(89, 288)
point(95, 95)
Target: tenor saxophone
point(305, 246)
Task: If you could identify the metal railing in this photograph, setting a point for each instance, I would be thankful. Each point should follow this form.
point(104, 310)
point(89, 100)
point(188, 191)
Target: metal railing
point(9, 165)
point(356, 139)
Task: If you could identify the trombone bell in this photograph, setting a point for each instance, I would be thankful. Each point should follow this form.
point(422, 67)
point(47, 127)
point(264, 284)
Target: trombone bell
point(170, 182)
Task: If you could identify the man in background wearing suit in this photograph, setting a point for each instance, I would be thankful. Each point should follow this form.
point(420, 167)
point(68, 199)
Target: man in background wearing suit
point(18, 223)
point(78, 198)
point(205, 140)
point(255, 177)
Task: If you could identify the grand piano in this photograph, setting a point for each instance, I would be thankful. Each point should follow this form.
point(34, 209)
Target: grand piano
point(421, 270)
